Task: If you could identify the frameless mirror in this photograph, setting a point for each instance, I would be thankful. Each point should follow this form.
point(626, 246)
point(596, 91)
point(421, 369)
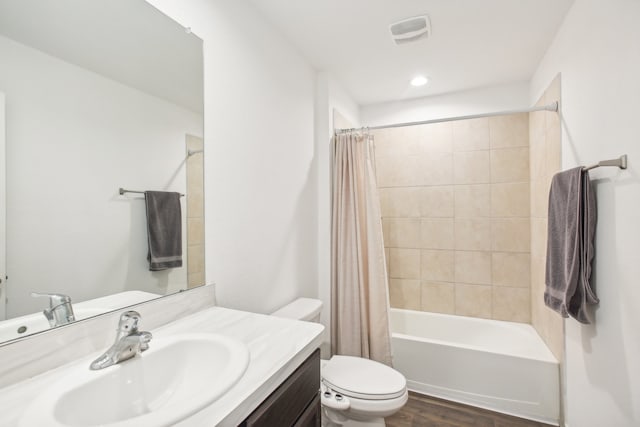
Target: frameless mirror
point(98, 95)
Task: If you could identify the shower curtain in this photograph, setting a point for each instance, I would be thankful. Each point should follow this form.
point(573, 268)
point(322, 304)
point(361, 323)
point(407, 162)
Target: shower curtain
point(359, 288)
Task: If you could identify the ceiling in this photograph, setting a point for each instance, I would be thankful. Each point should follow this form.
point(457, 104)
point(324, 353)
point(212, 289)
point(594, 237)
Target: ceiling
point(474, 43)
point(125, 40)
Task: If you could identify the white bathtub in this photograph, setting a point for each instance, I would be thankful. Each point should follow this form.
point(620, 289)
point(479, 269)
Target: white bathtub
point(502, 366)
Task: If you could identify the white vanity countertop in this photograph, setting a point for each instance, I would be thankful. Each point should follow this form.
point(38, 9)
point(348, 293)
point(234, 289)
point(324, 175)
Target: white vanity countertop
point(277, 347)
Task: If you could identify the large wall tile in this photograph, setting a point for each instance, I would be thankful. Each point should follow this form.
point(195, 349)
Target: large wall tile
point(510, 235)
point(195, 204)
point(405, 293)
point(472, 201)
point(195, 231)
point(435, 201)
point(538, 268)
point(437, 265)
point(510, 269)
point(510, 200)
point(434, 137)
point(415, 170)
point(404, 263)
point(195, 279)
point(473, 267)
point(195, 258)
point(473, 300)
point(509, 131)
point(393, 142)
point(512, 304)
point(438, 297)
point(471, 167)
point(396, 171)
point(471, 135)
point(539, 198)
point(537, 121)
point(436, 233)
point(434, 169)
point(400, 202)
point(403, 233)
point(510, 165)
point(554, 330)
point(553, 152)
point(537, 160)
point(539, 237)
point(473, 234)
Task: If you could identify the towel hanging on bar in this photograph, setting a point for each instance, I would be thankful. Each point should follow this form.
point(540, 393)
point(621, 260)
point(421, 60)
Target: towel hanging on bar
point(164, 230)
point(570, 229)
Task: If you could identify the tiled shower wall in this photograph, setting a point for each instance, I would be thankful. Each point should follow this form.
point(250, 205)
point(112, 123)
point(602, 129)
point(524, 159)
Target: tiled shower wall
point(456, 216)
point(545, 153)
point(195, 212)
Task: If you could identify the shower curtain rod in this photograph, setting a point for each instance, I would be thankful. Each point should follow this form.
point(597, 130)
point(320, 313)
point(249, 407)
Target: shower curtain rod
point(550, 107)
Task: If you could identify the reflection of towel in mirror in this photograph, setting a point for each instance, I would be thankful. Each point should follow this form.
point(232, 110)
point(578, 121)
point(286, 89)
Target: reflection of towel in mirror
point(164, 230)
point(571, 229)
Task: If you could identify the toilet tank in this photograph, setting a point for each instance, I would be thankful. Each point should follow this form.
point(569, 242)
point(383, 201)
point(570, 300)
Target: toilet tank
point(307, 309)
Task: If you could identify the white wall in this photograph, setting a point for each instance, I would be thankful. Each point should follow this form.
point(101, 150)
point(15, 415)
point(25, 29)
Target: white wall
point(261, 198)
point(475, 101)
point(73, 138)
point(330, 97)
point(597, 52)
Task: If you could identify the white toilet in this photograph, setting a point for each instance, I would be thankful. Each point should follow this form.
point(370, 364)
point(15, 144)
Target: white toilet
point(354, 392)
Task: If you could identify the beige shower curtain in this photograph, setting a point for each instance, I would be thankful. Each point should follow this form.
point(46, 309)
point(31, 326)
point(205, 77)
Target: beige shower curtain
point(359, 289)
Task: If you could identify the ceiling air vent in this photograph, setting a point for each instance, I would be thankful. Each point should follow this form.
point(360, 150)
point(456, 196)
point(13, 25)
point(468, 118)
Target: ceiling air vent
point(410, 29)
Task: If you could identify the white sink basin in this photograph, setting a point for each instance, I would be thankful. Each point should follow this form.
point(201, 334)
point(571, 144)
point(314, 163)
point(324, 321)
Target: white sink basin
point(175, 378)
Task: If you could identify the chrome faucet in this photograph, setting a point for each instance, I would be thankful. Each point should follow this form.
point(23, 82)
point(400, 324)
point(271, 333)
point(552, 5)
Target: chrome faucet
point(129, 342)
point(60, 311)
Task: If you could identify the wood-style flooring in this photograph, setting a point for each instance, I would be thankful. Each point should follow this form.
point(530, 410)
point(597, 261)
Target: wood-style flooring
point(427, 411)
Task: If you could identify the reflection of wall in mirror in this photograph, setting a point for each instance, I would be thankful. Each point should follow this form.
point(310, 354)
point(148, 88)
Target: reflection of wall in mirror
point(73, 138)
point(3, 234)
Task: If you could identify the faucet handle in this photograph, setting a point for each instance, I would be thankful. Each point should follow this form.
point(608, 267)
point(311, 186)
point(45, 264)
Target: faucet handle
point(145, 337)
point(129, 322)
point(54, 299)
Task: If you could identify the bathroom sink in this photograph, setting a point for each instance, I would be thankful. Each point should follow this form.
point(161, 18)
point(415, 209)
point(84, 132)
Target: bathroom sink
point(176, 377)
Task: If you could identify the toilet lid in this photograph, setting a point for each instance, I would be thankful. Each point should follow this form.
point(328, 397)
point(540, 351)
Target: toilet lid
point(363, 378)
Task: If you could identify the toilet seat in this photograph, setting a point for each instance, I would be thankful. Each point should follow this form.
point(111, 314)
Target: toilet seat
point(363, 378)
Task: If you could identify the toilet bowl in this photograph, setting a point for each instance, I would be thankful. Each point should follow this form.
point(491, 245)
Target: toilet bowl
point(354, 392)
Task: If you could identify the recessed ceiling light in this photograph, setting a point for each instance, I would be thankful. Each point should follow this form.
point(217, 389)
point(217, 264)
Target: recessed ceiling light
point(419, 81)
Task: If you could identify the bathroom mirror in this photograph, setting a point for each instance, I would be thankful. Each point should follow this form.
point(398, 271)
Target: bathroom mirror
point(98, 95)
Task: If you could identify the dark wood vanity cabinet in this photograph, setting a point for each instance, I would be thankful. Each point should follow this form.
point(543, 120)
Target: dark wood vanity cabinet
point(295, 403)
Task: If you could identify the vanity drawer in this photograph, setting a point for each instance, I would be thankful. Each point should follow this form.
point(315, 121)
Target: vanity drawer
point(311, 416)
point(293, 403)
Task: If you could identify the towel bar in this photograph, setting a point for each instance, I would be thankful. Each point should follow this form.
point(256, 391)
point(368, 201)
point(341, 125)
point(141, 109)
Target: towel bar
point(620, 162)
point(122, 191)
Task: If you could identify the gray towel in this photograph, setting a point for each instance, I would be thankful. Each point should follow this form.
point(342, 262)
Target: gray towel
point(571, 229)
point(164, 230)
